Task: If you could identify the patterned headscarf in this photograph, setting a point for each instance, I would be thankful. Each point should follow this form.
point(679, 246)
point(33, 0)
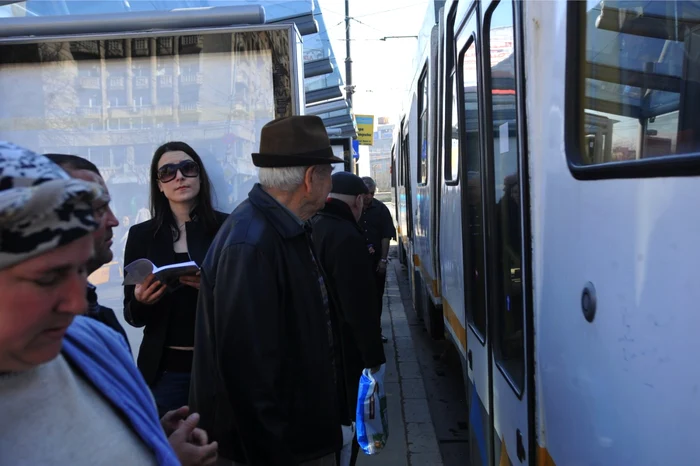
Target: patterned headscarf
point(41, 206)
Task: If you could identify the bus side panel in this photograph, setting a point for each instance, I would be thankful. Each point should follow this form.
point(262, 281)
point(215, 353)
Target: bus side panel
point(412, 202)
point(623, 388)
point(452, 266)
point(430, 304)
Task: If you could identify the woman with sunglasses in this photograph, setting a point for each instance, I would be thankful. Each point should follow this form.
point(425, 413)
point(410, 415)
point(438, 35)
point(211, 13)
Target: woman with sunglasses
point(182, 227)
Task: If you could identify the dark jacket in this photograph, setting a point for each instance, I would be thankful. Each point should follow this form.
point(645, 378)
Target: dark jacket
point(263, 377)
point(103, 314)
point(377, 224)
point(157, 246)
point(341, 248)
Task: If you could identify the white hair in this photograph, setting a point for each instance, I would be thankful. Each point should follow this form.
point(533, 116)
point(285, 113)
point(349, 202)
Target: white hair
point(282, 178)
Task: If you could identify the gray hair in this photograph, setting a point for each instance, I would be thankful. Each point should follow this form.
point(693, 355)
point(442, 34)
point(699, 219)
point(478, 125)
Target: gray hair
point(282, 178)
point(369, 182)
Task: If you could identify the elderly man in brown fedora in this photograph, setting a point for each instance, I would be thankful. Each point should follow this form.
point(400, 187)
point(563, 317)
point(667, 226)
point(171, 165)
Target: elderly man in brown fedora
point(264, 375)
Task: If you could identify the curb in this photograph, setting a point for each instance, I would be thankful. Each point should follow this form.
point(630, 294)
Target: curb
point(419, 430)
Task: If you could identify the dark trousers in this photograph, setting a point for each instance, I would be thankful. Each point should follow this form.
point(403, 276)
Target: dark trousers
point(171, 391)
point(355, 451)
point(380, 280)
point(353, 456)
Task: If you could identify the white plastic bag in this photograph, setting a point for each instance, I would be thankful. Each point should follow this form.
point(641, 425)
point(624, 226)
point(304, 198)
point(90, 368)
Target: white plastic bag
point(372, 421)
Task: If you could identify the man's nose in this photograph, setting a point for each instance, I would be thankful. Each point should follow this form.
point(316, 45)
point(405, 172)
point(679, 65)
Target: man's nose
point(74, 294)
point(112, 220)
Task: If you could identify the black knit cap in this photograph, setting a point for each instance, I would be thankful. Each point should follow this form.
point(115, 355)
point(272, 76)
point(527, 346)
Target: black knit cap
point(347, 183)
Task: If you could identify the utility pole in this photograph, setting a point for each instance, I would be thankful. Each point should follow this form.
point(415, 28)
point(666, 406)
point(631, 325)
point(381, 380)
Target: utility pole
point(348, 61)
point(349, 88)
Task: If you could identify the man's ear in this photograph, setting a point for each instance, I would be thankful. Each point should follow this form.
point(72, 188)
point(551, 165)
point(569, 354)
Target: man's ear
point(360, 201)
point(309, 178)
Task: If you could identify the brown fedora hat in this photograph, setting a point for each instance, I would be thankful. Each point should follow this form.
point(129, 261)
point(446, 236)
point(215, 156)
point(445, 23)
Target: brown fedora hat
point(295, 141)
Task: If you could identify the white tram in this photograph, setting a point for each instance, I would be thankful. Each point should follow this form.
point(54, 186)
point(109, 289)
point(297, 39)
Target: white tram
point(546, 184)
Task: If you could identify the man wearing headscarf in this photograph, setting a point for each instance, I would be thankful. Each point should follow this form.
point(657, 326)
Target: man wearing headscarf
point(68, 385)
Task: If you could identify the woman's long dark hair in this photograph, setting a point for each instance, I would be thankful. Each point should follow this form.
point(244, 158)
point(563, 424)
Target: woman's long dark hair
point(160, 207)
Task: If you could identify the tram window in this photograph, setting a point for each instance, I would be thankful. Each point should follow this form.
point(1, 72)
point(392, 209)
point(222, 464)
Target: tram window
point(407, 158)
point(452, 151)
point(507, 306)
point(474, 267)
point(423, 127)
point(399, 168)
point(400, 163)
point(641, 81)
point(393, 167)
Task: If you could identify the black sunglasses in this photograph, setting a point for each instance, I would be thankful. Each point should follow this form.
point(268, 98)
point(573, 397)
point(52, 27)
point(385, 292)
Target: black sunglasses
point(168, 172)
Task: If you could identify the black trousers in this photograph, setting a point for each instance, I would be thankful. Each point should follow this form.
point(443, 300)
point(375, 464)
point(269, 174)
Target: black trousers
point(380, 280)
point(355, 452)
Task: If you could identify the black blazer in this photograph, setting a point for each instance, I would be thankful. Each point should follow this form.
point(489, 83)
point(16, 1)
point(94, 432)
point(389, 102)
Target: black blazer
point(157, 246)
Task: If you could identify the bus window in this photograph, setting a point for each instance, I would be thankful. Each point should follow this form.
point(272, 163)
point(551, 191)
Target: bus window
point(392, 169)
point(452, 150)
point(507, 306)
point(474, 269)
point(423, 127)
point(640, 76)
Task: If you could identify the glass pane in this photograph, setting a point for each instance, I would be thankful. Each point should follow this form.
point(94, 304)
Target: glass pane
point(423, 161)
point(641, 80)
point(407, 158)
point(452, 156)
point(111, 102)
point(474, 267)
point(508, 296)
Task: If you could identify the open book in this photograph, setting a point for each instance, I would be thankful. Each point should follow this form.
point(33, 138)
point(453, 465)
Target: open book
point(136, 272)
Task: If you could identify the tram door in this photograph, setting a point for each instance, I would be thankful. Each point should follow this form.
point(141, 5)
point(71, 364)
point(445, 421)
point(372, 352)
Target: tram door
point(507, 283)
point(467, 89)
point(495, 280)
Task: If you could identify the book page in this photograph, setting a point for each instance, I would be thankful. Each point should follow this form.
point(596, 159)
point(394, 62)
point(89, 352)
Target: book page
point(170, 273)
point(136, 272)
point(177, 266)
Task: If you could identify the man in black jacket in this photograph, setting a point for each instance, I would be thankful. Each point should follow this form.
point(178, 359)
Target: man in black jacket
point(78, 167)
point(379, 230)
point(264, 378)
point(342, 250)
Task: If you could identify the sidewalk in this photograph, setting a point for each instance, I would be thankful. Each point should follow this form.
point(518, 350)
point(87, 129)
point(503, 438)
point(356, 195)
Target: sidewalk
point(412, 440)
